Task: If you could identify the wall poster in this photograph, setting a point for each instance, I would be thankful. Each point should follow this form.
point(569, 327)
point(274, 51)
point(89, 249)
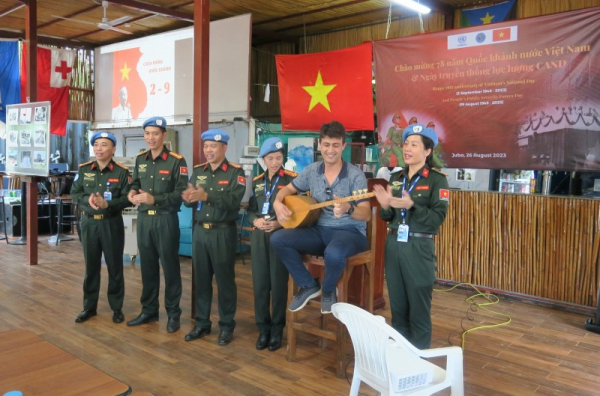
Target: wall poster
point(28, 138)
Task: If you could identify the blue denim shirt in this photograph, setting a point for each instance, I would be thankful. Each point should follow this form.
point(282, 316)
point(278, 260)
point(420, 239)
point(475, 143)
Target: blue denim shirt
point(350, 181)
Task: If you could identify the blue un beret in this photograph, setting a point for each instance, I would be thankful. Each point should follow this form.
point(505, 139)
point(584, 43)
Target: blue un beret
point(104, 135)
point(420, 129)
point(215, 134)
point(271, 145)
point(155, 121)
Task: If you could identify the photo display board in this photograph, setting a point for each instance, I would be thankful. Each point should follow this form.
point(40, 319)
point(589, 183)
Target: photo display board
point(28, 138)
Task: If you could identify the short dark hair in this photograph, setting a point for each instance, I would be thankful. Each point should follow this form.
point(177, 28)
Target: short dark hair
point(333, 129)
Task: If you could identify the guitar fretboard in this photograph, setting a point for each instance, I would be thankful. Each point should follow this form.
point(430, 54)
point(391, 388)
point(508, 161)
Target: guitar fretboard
point(354, 197)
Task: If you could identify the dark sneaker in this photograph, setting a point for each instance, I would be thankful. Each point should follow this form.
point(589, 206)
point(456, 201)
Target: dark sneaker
point(302, 297)
point(327, 300)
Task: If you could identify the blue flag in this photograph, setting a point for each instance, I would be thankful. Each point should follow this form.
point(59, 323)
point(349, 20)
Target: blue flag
point(10, 84)
point(484, 15)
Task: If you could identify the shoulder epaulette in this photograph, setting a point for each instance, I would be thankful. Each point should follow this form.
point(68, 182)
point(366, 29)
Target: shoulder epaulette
point(259, 177)
point(85, 163)
point(121, 165)
point(141, 153)
point(174, 154)
point(235, 165)
point(196, 166)
point(291, 173)
point(439, 171)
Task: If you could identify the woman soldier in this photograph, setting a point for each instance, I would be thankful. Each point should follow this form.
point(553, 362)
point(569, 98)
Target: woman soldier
point(415, 203)
point(269, 275)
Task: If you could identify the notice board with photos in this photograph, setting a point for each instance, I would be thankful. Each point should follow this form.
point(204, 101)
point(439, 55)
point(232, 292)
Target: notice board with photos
point(28, 138)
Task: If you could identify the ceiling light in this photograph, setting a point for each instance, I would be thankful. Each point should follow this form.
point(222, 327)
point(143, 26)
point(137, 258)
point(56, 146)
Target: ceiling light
point(413, 5)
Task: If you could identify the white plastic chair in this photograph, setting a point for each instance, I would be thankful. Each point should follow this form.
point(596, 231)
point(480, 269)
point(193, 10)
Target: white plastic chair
point(383, 356)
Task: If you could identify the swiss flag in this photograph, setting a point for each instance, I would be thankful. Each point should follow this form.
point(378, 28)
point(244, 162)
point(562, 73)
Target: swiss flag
point(501, 34)
point(55, 67)
point(327, 86)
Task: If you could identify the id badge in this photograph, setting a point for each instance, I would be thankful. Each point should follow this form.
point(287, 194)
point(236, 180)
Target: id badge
point(402, 233)
point(107, 195)
point(265, 208)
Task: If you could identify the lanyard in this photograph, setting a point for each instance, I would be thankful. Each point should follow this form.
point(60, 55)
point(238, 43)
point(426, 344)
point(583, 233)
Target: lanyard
point(403, 211)
point(268, 194)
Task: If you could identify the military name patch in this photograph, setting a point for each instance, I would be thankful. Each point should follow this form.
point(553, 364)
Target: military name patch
point(113, 180)
point(422, 188)
point(223, 181)
point(164, 172)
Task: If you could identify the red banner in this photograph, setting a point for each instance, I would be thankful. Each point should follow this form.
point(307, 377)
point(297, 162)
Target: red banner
point(327, 86)
point(522, 94)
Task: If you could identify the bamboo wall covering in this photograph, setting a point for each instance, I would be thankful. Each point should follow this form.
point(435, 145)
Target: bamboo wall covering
point(538, 245)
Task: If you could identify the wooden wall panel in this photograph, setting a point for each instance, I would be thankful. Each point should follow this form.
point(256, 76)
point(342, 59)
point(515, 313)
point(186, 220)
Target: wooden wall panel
point(531, 244)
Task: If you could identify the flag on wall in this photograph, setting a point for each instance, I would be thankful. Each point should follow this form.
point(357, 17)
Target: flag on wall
point(484, 15)
point(129, 90)
point(327, 86)
point(10, 89)
point(54, 71)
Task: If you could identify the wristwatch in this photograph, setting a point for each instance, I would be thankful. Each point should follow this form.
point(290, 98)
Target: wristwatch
point(351, 210)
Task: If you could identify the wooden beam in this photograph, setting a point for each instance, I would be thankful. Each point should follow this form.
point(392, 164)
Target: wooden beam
point(58, 42)
point(168, 12)
point(337, 18)
point(316, 10)
point(31, 89)
point(201, 66)
point(56, 20)
point(10, 10)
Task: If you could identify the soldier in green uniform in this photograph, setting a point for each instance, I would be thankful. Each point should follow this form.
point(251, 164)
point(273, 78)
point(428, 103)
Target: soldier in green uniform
point(216, 190)
point(159, 179)
point(269, 275)
point(415, 203)
point(100, 189)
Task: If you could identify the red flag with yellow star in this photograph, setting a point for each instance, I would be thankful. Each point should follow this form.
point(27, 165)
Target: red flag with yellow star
point(327, 86)
point(125, 74)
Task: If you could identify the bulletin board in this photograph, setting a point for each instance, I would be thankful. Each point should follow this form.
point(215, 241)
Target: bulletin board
point(28, 138)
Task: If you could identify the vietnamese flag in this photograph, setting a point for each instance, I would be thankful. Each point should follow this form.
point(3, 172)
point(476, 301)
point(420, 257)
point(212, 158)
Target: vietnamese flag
point(501, 34)
point(327, 86)
point(125, 74)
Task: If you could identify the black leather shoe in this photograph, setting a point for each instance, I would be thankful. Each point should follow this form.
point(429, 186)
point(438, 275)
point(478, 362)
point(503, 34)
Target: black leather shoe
point(263, 340)
point(118, 316)
point(173, 325)
point(85, 315)
point(197, 333)
point(143, 319)
point(225, 337)
point(274, 343)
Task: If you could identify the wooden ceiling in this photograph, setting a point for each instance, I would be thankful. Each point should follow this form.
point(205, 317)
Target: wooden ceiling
point(280, 20)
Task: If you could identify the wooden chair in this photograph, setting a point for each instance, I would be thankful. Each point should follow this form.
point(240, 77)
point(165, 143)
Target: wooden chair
point(339, 335)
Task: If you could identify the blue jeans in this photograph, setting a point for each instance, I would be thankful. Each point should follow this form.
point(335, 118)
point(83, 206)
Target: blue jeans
point(334, 244)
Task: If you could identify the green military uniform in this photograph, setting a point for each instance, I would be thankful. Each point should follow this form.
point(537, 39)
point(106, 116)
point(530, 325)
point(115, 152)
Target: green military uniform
point(214, 240)
point(269, 275)
point(102, 230)
point(410, 266)
point(165, 178)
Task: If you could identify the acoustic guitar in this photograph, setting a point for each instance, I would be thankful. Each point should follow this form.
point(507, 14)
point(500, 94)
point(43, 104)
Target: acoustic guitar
point(306, 210)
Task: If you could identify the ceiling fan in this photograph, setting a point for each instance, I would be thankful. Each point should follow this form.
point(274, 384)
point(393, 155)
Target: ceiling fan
point(105, 24)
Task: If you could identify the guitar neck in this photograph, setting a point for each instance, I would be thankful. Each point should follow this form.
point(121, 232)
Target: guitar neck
point(341, 200)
